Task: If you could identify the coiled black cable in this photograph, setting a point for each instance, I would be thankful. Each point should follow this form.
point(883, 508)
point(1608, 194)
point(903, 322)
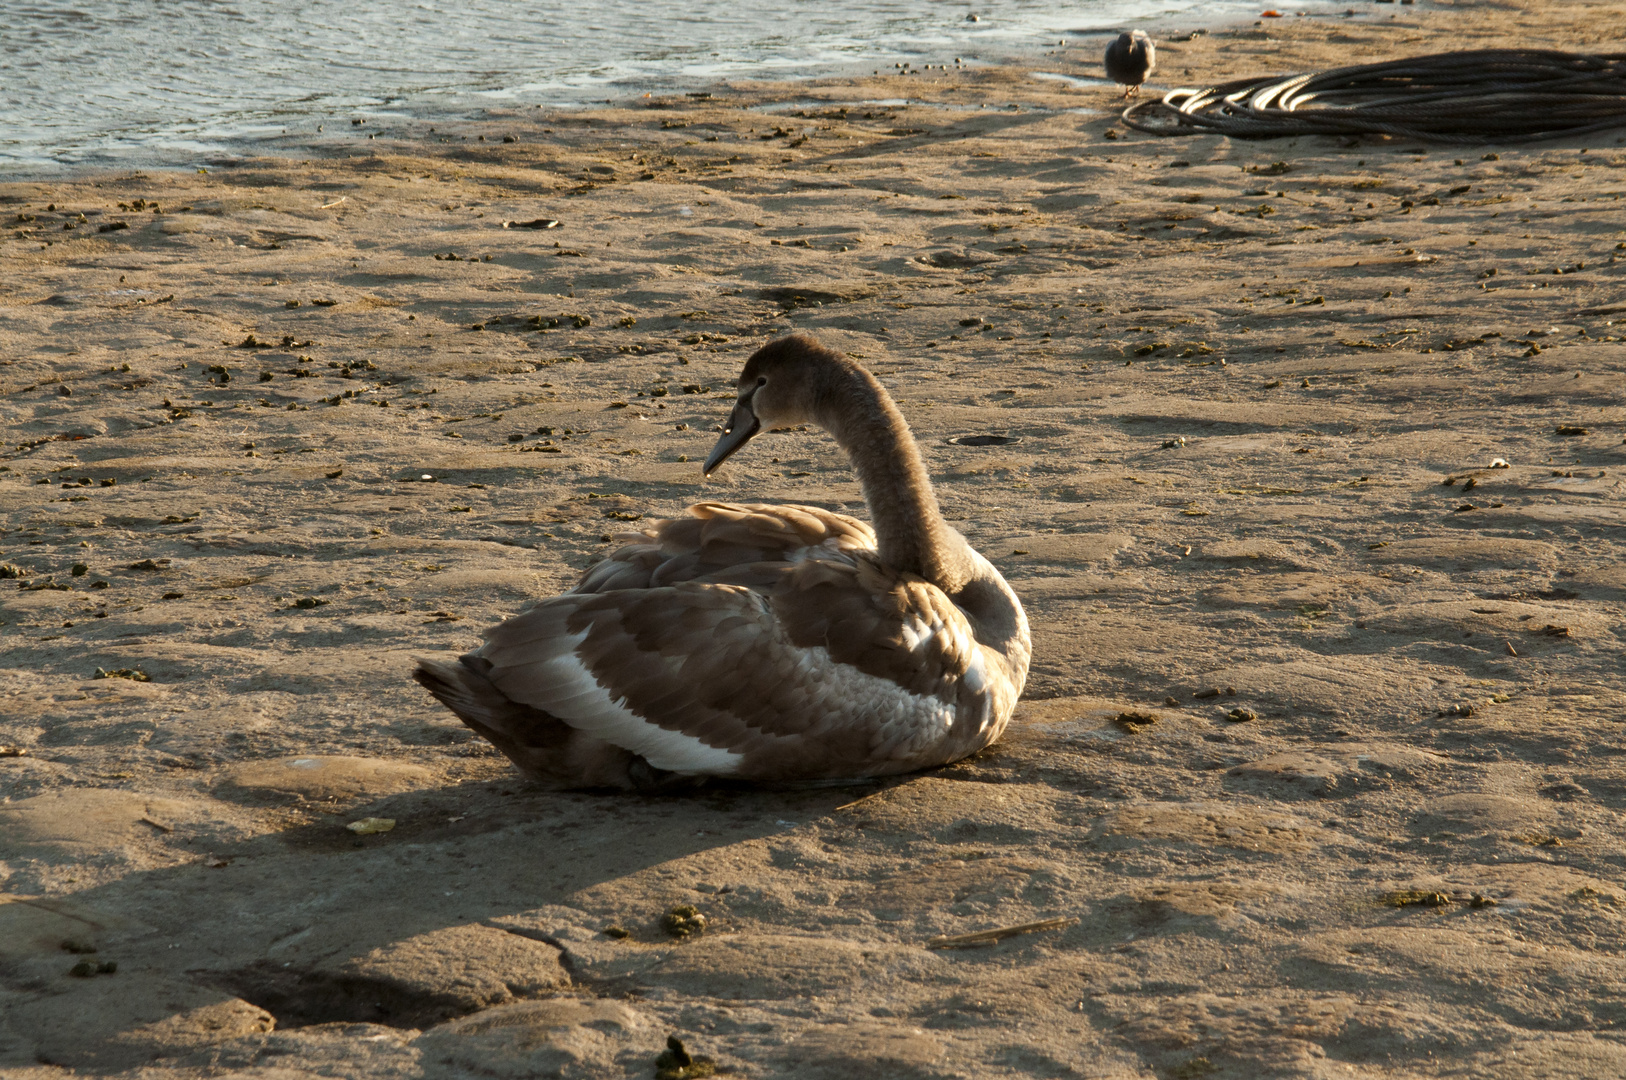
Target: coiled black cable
point(1458, 97)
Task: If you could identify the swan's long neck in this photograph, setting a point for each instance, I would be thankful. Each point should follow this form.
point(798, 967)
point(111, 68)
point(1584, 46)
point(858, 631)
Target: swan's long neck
point(909, 528)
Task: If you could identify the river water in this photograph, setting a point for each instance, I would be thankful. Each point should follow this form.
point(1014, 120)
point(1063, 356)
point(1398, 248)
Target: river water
point(144, 83)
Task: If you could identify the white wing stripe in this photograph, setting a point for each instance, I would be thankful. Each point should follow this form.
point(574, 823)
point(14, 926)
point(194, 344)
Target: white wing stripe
point(581, 702)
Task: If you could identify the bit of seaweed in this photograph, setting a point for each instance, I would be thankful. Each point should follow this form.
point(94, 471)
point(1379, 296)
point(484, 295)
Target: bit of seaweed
point(133, 674)
point(1415, 898)
point(684, 921)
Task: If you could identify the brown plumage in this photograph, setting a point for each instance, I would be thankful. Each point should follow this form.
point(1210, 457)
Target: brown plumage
point(768, 643)
point(1129, 59)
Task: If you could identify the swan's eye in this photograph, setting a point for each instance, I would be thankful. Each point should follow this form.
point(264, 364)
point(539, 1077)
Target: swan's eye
point(762, 380)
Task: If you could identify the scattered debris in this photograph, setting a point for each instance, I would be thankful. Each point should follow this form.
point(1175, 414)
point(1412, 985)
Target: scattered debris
point(133, 674)
point(1415, 898)
point(1586, 894)
point(1134, 721)
point(1214, 692)
point(676, 1063)
point(369, 826)
point(998, 934)
point(684, 921)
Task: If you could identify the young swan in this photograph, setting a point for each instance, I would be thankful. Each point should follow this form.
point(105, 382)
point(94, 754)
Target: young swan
point(763, 642)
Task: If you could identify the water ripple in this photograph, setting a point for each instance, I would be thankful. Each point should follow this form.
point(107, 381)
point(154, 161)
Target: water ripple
point(141, 82)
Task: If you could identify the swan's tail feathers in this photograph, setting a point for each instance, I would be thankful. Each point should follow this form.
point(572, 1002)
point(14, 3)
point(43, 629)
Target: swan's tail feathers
point(542, 746)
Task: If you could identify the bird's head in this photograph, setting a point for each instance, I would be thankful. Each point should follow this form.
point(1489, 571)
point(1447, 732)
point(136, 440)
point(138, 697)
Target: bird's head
point(781, 386)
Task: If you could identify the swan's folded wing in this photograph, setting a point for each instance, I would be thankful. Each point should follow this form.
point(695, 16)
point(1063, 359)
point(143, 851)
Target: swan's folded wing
point(722, 680)
point(714, 539)
point(895, 627)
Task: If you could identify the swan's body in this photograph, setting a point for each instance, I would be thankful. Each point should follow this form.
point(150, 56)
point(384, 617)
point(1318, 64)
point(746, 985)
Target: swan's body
point(1130, 59)
point(769, 643)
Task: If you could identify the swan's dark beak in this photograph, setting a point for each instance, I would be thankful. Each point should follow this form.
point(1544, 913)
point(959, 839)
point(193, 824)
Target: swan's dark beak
point(742, 424)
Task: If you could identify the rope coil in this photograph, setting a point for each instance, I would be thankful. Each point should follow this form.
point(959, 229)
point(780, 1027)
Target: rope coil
point(1456, 97)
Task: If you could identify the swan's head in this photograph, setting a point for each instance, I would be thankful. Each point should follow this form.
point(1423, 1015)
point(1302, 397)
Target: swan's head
point(781, 386)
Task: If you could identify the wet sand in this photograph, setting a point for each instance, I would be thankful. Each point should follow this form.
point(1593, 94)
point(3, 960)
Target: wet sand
point(1249, 400)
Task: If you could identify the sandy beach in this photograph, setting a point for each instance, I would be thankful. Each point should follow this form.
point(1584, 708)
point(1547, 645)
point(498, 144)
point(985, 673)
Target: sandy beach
point(1306, 460)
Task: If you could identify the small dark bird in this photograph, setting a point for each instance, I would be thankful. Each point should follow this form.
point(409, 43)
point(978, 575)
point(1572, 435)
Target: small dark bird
point(1130, 58)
